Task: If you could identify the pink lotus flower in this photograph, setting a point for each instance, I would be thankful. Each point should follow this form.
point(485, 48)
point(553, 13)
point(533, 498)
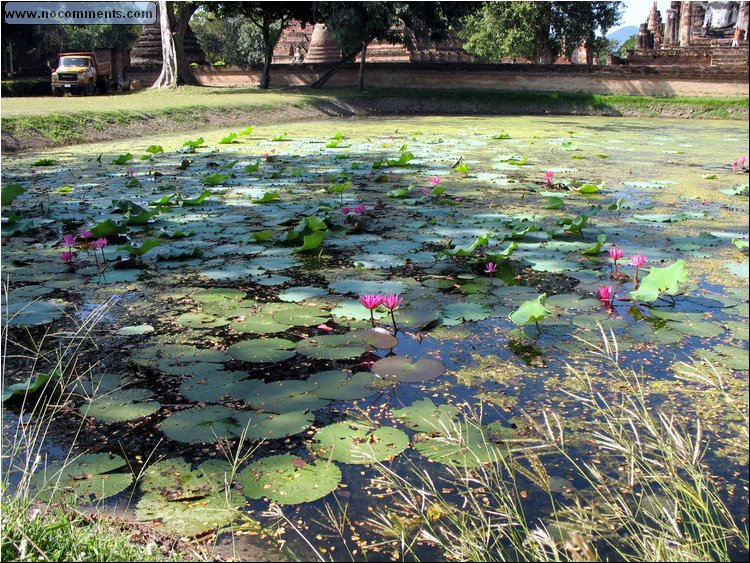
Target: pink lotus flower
point(371, 302)
point(325, 327)
point(548, 177)
point(615, 253)
point(392, 302)
point(360, 209)
point(435, 180)
point(345, 210)
point(426, 191)
point(86, 235)
point(67, 256)
point(637, 260)
point(99, 243)
point(265, 155)
point(491, 268)
point(69, 239)
point(738, 164)
point(606, 293)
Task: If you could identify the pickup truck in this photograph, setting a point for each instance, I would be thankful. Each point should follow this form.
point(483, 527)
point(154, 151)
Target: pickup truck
point(83, 72)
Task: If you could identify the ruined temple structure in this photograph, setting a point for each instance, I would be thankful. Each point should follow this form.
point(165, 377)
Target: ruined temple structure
point(695, 33)
point(146, 53)
point(316, 44)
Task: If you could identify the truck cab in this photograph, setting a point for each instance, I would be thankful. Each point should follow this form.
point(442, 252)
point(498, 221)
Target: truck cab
point(82, 73)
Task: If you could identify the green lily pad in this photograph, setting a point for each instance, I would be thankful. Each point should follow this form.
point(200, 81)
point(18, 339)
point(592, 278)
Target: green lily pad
point(468, 311)
point(669, 280)
point(269, 426)
point(402, 369)
point(200, 320)
point(355, 442)
point(424, 416)
point(464, 445)
point(377, 338)
point(33, 313)
point(332, 347)
point(262, 350)
point(299, 315)
point(85, 479)
point(288, 479)
point(121, 405)
point(217, 386)
point(341, 385)
point(135, 330)
point(284, 397)
point(200, 425)
point(302, 293)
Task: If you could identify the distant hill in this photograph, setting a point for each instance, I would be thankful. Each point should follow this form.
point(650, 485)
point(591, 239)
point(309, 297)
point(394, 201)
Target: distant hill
point(622, 34)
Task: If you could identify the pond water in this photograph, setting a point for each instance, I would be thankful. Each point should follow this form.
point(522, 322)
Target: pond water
point(226, 299)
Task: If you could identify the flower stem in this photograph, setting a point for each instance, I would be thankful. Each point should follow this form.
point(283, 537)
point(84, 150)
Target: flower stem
point(372, 319)
point(395, 328)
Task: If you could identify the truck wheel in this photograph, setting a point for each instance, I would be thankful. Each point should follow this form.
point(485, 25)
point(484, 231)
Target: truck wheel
point(57, 92)
point(104, 87)
point(89, 90)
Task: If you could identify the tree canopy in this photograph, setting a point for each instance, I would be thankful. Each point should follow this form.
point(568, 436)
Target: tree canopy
point(537, 31)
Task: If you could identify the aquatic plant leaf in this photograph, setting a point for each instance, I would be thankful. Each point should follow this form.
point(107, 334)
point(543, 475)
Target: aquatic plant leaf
point(200, 425)
point(229, 139)
point(416, 319)
point(302, 293)
point(107, 229)
point(84, 479)
point(268, 197)
point(359, 443)
point(596, 249)
point(215, 179)
point(155, 149)
point(299, 315)
point(467, 311)
point(425, 416)
point(218, 294)
point(284, 397)
point(123, 159)
point(531, 311)
point(37, 312)
point(193, 144)
point(31, 385)
point(262, 350)
point(464, 445)
point(196, 200)
point(312, 241)
point(402, 369)
point(341, 385)
point(253, 166)
point(120, 405)
point(10, 192)
point(141, 218)
point(288, 479)
point(218, 385)
point(589, 188)
point(739, 269)
point(270, 426)
point(333, 347)
point(200, 320)
point(669, 280)
point(378, 338)
point(146, 246)
point(190, 517)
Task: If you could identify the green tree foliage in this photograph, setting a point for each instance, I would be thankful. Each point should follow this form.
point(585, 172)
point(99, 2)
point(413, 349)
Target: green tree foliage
point(357, 24)
point(537, 31)
point(627, 45)
point(266, 16)
point(246, 46)
point(85, 37)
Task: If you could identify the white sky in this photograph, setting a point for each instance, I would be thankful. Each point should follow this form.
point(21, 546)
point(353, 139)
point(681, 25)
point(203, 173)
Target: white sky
point(636, 12)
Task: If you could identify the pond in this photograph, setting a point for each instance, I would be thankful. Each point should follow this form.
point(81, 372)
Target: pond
point(207, 326)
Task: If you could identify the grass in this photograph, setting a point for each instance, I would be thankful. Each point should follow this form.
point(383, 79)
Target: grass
point(61, 121)
point(644, 486)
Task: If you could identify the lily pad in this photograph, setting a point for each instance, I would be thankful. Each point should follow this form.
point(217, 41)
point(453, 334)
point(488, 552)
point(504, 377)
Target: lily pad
point(341, 385)
point(269, 426)
point(85, 479)
point(262, 350)
point(200, 425)
point(288, 479)
point(284, 397)
point(402, 369)
point(333, 347)
point(425, 416)
point(355, 442)
point(217, 386)
point(121, 405)
point(463, 445)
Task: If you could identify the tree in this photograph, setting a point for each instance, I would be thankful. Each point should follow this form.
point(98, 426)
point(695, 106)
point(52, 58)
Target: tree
point(357, 24)
point(174, 18)
point(246, 46)
point(537, 31)
point(627, 45)
point(266, 16)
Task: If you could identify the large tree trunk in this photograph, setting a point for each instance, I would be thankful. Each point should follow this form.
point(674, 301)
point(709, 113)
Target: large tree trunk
point(175, 70)
point(168, 76)
point(361, 75)
point(320, 82)
point(265, 79)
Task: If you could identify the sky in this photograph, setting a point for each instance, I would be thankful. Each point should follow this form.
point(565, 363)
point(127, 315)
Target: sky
point(636, 12)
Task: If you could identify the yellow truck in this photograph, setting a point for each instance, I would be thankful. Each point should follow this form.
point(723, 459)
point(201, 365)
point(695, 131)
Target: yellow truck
point(83, 72)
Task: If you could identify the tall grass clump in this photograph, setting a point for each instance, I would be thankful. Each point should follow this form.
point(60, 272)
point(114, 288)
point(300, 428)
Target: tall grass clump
point(33, 529)
point(638, 483)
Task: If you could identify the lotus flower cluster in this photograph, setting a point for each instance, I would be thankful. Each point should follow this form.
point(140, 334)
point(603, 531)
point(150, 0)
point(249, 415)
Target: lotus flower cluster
point(490, 269)
point(637, 260)
point(390, 302)
point(615, 253)
point(606, 294)
point(548, 177)
point(739, 164)
point(68, 240)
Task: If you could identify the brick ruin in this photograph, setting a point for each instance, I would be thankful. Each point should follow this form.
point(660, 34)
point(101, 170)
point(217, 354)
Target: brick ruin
point(694, 33)
point(316, 44)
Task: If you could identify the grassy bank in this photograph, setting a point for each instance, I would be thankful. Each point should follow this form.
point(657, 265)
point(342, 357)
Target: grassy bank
point(43, 122)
